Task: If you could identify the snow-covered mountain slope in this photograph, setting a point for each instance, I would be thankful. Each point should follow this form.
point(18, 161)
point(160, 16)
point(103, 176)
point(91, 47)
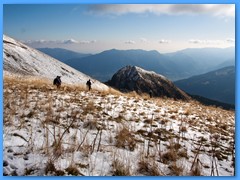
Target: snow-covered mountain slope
point(23, 60)
point(50, 131)
point(133, 78)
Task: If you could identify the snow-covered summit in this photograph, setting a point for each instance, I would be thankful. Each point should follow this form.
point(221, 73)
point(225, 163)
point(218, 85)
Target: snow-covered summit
point(24, 60)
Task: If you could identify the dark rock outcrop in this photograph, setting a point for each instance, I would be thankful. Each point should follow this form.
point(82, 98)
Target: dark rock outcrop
point(133, 78)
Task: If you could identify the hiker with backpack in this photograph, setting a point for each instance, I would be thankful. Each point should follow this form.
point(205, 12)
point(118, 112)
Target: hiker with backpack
point(57, 81)
point(89, 83)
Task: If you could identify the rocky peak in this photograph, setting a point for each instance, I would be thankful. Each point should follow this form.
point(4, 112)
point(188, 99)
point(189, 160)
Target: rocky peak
point(133, 78)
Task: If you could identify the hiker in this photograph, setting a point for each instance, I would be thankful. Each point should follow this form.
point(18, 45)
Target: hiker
point(57, 81)
point(150, 94)
point(89, 84)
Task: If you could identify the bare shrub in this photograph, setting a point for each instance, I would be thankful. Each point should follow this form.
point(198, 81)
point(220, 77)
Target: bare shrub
point(89, 108)
point(125, 139)
point(120, 168)
point(90, 124)
point(72, 170)
point(183, 153)
point(170, 155)
point(50, 167)
point(175, 169)
point(148, 167)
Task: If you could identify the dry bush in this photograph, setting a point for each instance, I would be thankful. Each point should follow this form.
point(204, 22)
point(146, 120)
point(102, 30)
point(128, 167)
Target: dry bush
point(29, 171)
point(91, 124)
point(120, 168)
point(89, 108)
point(73, 170)
point(187, 112)
point(86, 149)
point(169, 156)
point(183, 129)
point(125, 139)
point(183, 153)
point(50, 167)
point(176, 169)
point(148, 167)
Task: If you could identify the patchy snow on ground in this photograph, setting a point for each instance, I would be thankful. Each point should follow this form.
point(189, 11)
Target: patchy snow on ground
point(71, 131)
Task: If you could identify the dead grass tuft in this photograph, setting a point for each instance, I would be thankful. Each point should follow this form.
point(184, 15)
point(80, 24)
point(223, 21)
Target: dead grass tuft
point(148, 167)
point(72, 170)
point(176, 169)
point(125, 139)
point(120, 168)
point(50, 167)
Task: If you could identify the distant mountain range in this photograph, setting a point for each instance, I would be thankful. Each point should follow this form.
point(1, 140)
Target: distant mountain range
point(62, 54)
point(132, 78)
point(217, 85)
point(175, 66)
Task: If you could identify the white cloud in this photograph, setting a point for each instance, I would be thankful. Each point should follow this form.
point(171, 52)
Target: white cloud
point(199, 41)
point(230, 40)
point(87, 42)
point(68, 41)
point(35, 41)
point(195, 41)
point(164, 41)
point(143, 40)
point(170, 9)
point(130, 42)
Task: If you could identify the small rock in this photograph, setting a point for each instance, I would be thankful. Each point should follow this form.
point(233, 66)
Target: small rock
point(14, 173)
point(13, 167)
point(5, 163)
point(25, 157)
point(9, 150)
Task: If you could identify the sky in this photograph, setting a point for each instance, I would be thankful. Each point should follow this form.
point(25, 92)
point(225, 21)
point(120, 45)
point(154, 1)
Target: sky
point(93, 28)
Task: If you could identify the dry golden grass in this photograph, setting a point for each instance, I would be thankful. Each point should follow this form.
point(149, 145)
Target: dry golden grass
point(30, 82)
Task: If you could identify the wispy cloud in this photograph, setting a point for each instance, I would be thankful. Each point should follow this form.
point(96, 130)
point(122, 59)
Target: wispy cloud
point(87, 42)
point(224, 10)
point(165, 41)
point(130, 42)
point(230, 40)
point(143, 40)
point(68, 41)
point(200, 41)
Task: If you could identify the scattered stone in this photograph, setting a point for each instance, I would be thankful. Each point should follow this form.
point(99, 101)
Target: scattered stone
point(9, 150)
point(13, 167)
point(5, 163)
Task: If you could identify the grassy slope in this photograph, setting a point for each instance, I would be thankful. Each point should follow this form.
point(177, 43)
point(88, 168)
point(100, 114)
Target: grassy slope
point(72, 131)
